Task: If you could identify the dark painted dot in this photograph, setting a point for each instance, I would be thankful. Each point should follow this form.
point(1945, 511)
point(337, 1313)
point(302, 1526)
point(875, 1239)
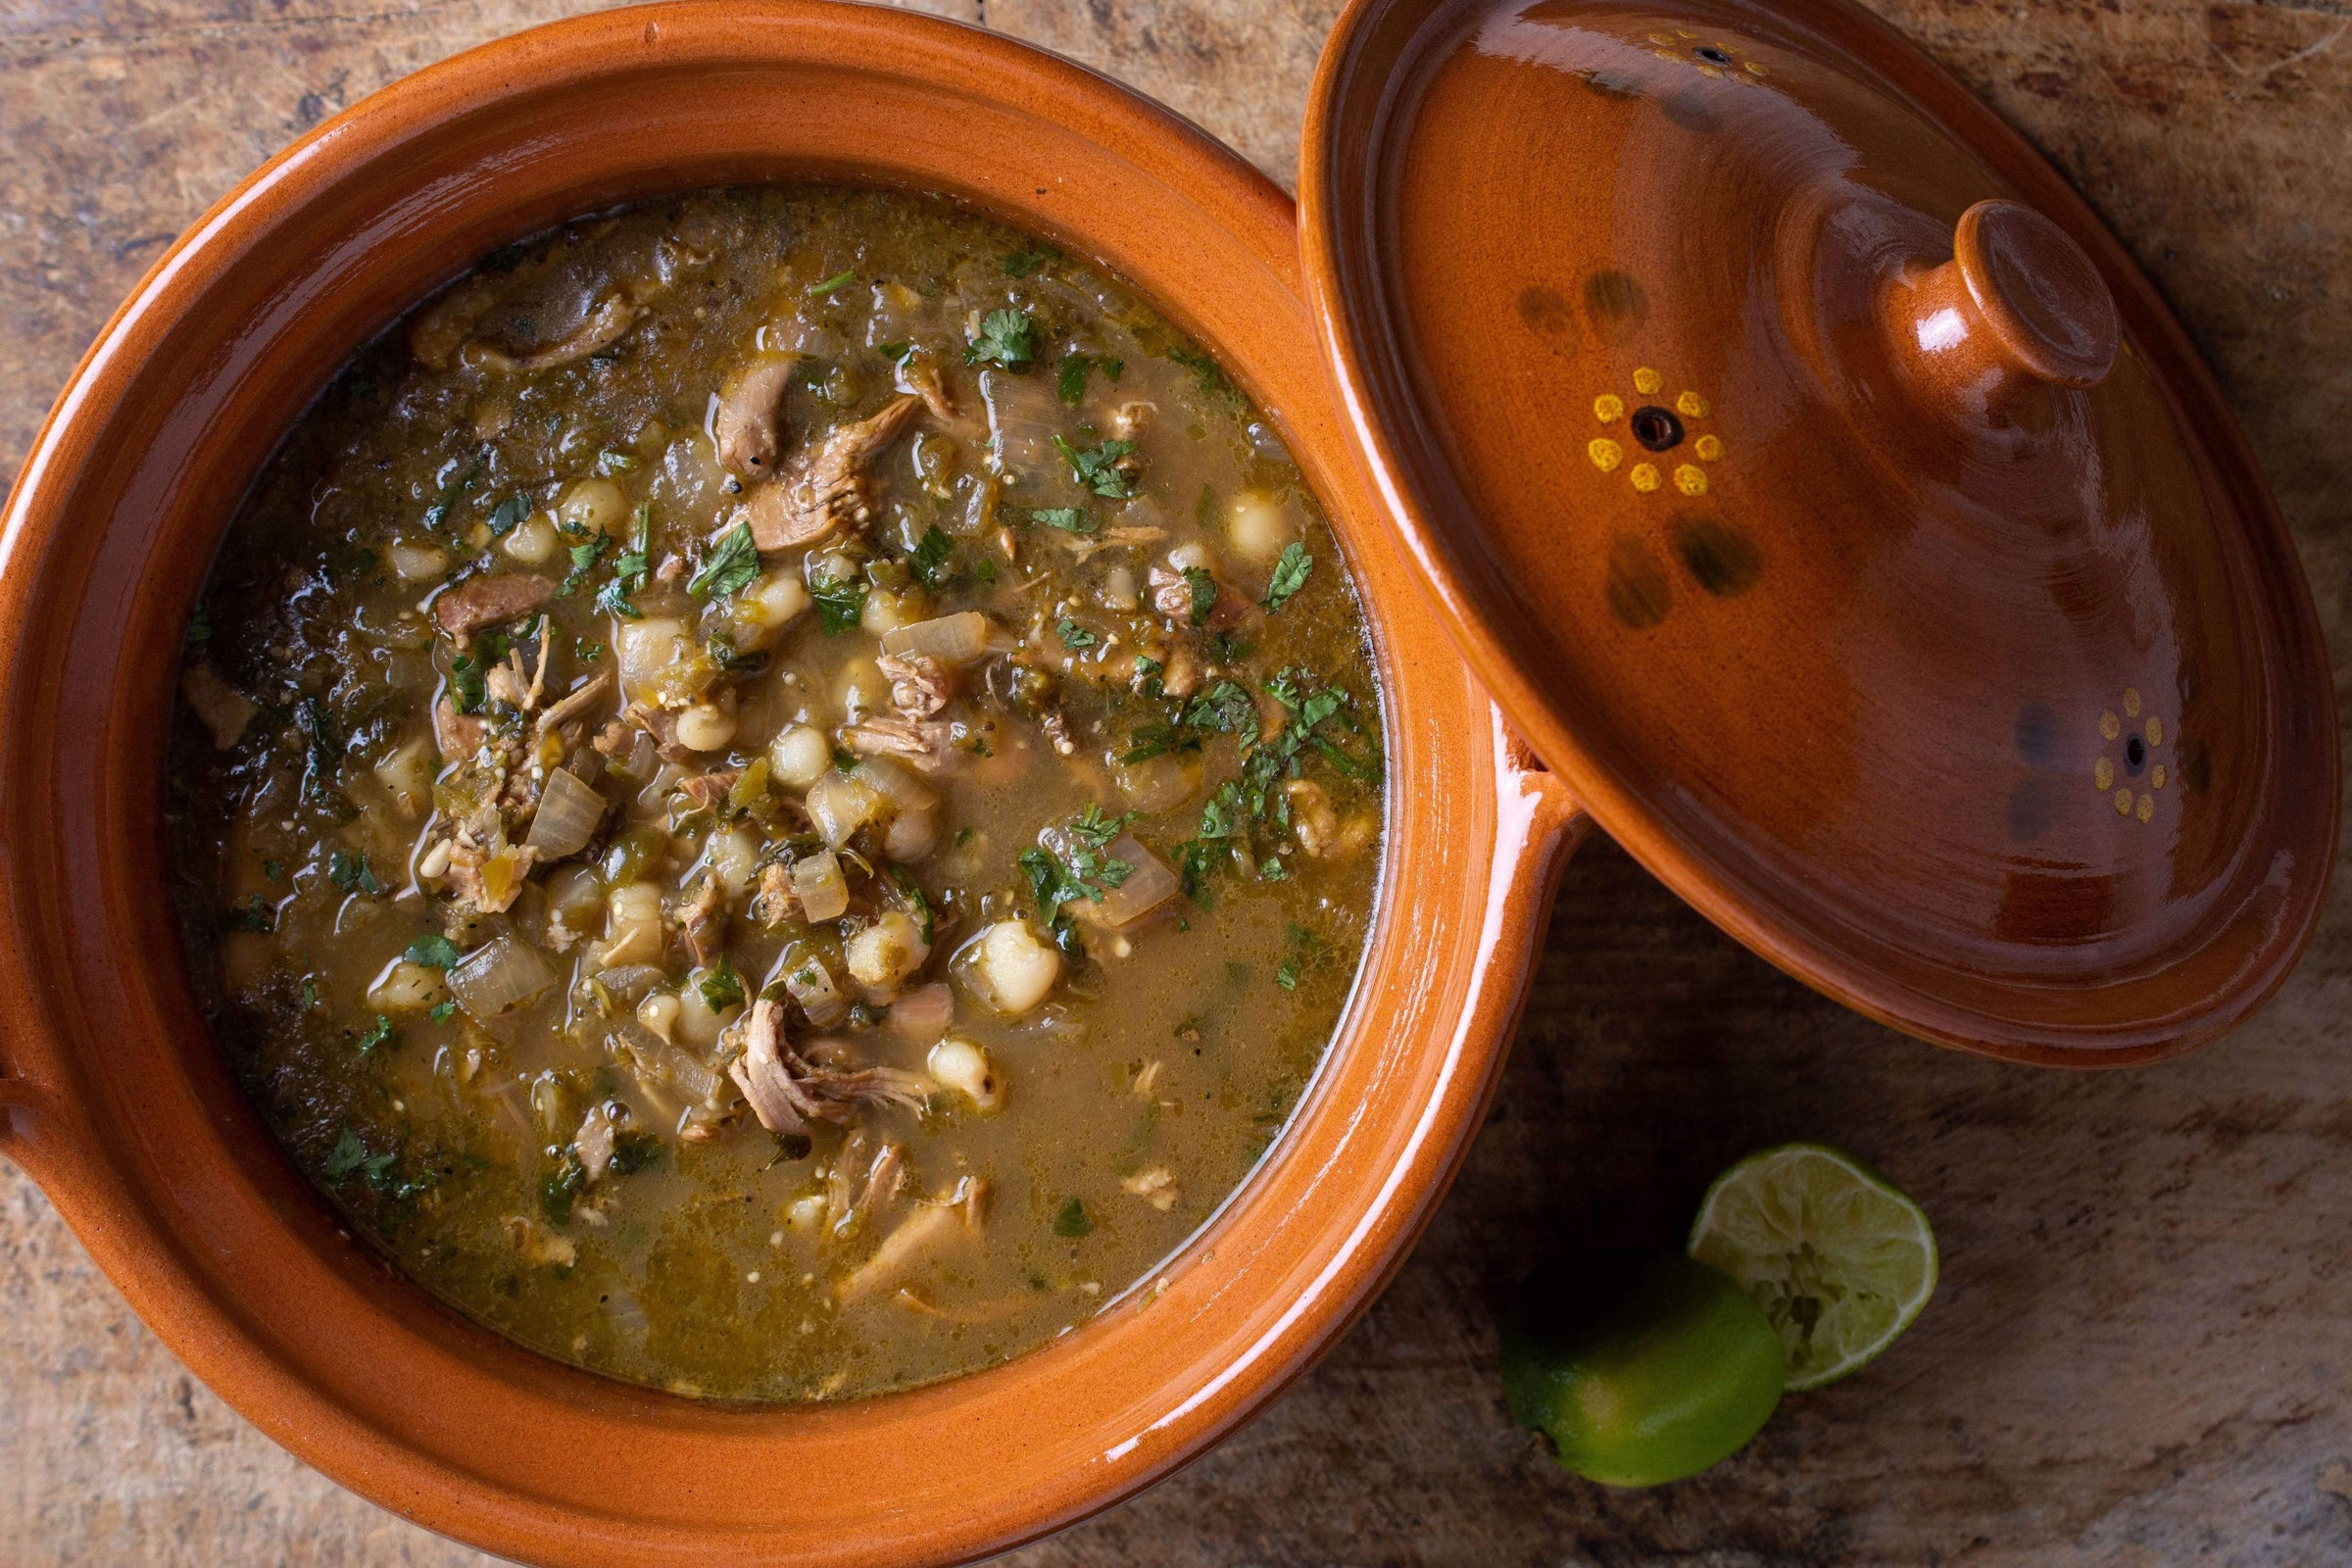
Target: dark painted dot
point(1615, 305)
point(1639, 593)
point(2136, 753)
point(1609, 84)
point(1544, 310)
point(1691, 109)
point(1658, 429)
point(2037, 733)
point(1721, 559)
point(1712, 55)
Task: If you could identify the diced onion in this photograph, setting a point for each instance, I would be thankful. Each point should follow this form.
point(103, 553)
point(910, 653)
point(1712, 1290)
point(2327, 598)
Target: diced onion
point(1147, 886)
point(646, 648)
point(566, 818)
point(502, 976)
point(812, 985)
point(823, 891)
point(897, 783)
point(956, 639)
point(1024, 417)
point(924, 1013)
point(840, 805)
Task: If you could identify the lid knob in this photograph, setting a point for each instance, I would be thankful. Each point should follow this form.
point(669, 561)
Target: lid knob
point(2018, 303)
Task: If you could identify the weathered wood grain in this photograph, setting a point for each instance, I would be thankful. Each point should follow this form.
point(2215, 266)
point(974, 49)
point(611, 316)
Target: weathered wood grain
point(2141, 1345)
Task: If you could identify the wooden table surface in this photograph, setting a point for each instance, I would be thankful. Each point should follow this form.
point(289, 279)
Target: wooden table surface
point(2140, 1350)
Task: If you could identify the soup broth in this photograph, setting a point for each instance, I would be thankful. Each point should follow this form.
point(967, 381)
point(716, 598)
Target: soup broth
point(780, 791)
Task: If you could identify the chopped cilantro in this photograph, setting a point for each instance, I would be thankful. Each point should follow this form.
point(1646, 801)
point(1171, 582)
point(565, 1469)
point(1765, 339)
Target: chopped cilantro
point(820, 290)
point(910, 893)
point(928, 561)
point(1069, 519)
point(506, 514)
point(200, 626)
point(351, 873)
point(1098, 468)
point(840, 602)
point(1006, 337)
point(722, 987)
point(442, 1012)
point(350, 1157)
point(466, 687)
point(634, 1151)
point(562, 1187)
point(583, 561)
point(1084, 870)
point(1075, 636)
point(1070, 382)
point(1072, 1221)
point(432, 953)
point(729, 567)
point(273, 870)
point(438, 512)
point(1020, 263)
point(1212, 377)
point(378, 1032)
point(1205, 592)
point(1290, 574)
point(896, 353)
point(255, 913)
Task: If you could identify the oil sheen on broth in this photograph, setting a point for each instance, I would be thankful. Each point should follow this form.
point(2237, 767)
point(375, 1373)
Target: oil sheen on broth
point(782, 789)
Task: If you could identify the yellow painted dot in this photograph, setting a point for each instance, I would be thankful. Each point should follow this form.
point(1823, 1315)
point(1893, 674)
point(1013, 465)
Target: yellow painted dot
point(1606, 453)
point(2123, 802)
point(1685, 33)
point(1661, 37)
point(2147, 806)
point(2155, 730)
point(2102, 774)
point(1692, 406)
point(2109, 725)
point(1690, 479)
point(1645, 478)
point(1668, 55)
point(1608, 408)
point(1647, 381)
point(1753, 68)
point(1709, 448)
point(1705, 70)
point(2157, 777)
point(2131, 700)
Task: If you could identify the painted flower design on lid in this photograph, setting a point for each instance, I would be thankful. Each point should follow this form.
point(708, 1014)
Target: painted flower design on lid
point(1710, 57)
point(2129, 770)
point(1662, 438)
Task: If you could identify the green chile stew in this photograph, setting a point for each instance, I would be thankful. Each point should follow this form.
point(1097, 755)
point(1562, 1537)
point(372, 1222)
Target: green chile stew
point(782, 789)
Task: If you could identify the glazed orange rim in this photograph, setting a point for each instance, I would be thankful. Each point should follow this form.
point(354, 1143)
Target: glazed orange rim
point(116, 1098)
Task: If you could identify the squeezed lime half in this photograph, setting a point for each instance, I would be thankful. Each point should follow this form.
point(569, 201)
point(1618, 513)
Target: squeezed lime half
point(1839, 1258)
point(1639, 1367)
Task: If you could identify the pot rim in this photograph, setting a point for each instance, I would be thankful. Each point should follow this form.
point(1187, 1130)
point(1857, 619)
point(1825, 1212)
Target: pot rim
point(113, 1096)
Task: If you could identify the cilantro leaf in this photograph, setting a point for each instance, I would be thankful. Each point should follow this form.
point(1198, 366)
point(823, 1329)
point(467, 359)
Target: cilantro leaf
point(840, 602)
point(378, 1032)
point(1205, 592)
point(1069, 519)
point(442, 1012)
point(351, 873)
point(1290, 575)
point(896, 353)
point(1020, 263)
point(432, 953)
point(507, 514)
point(466, 687)
point(1096, 467)
point(583, 559)
point(1072, 1221)
point(820, 290)
point(928, 561)
point(722, 987)
point(1006, 337)
point(1075, 636)
point(729, 567)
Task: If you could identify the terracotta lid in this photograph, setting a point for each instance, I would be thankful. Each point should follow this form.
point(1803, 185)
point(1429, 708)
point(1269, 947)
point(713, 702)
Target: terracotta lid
point(1825, 495)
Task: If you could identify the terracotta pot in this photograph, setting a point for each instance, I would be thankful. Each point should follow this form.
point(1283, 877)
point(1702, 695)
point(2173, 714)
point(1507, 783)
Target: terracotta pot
point(113, 1096)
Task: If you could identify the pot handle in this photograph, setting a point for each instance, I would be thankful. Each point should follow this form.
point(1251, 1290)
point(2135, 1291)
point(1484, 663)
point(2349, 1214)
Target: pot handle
point(1538, 827)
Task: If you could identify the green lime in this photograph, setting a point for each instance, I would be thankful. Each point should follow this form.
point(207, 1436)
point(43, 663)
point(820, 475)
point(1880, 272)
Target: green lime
point(1639, 1367)
point(1838, 1257)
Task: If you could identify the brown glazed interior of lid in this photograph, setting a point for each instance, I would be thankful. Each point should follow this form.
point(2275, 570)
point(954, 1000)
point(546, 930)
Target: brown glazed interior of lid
point(1866, 547)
